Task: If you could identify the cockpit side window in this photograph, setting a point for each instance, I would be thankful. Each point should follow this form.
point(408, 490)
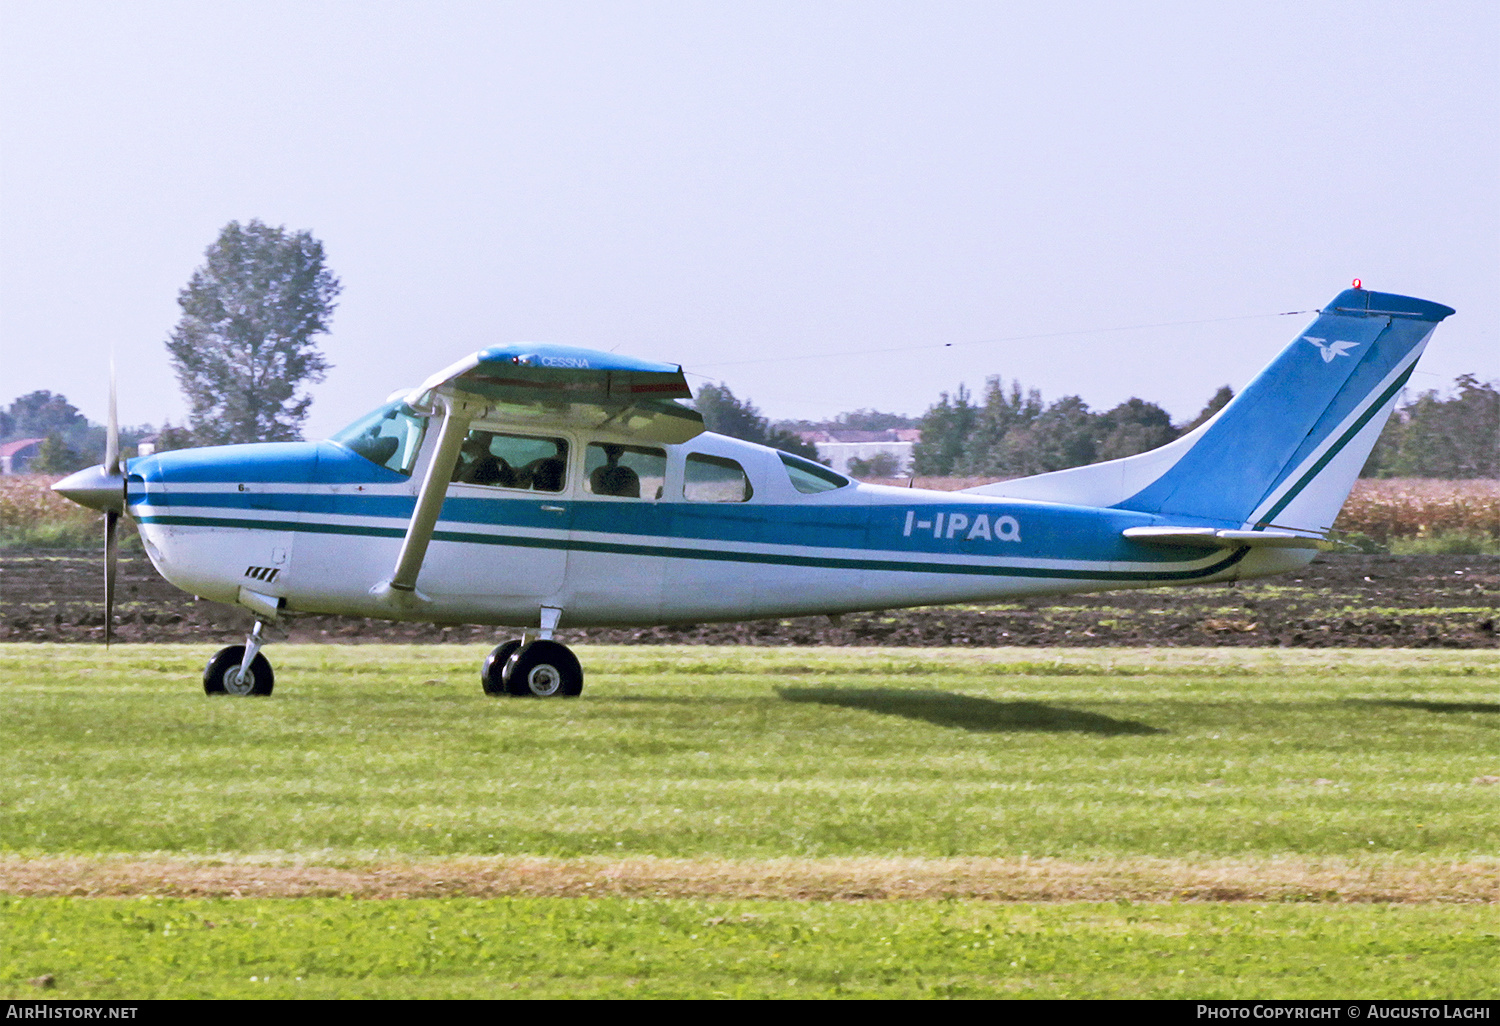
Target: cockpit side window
point(808, 477)
point(714, 479)
point(512, 461)
point(390, 436)
point(625, 471)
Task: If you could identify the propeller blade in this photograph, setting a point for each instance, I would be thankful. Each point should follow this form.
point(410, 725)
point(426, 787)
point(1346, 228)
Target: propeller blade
point(111, 560)
point(112, 430)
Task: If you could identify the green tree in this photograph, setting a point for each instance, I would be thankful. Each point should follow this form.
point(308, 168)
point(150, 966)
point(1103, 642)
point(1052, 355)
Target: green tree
point(54, 457)
point(945, 430)
point(1218, 402)
point(872, 420)
point(245, 343)
point(1003, 418)
point(169, 438)
point(1132, 427)
point(1456, 437)
point(42, 413)
point(1065, 435)
point(882, 464)
point(725, 414)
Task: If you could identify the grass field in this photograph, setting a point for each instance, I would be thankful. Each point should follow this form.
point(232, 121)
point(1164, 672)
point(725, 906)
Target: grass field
point(1082, 814)
point(614, 947)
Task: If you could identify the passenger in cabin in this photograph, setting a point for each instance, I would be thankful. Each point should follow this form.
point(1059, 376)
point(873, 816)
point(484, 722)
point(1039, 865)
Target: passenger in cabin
point(545, 475)
point(614, 479)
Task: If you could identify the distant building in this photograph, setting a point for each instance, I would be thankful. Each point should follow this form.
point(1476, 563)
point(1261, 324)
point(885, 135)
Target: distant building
point(838, 447)
point(16, 456)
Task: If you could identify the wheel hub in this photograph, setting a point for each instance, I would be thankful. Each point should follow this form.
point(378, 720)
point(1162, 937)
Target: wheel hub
point(544, 680)
point(237, 683)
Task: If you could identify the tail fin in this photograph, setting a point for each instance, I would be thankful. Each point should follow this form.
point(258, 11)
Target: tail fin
point(1284, 452)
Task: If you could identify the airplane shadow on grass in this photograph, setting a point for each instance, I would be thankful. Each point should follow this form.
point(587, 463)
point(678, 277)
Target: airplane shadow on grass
point(1433, 707)
point(985, 715)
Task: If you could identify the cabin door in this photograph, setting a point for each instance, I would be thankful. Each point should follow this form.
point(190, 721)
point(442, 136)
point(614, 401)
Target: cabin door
point(502, 538)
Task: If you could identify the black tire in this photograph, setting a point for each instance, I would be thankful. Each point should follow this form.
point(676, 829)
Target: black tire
point(544, 669)
point(221, 675)
point(492, 672)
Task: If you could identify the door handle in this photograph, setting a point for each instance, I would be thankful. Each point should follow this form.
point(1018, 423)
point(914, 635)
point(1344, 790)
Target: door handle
point(554, 509)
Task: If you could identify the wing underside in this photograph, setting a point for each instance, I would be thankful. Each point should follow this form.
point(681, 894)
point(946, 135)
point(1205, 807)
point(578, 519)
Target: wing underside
point(566, 387)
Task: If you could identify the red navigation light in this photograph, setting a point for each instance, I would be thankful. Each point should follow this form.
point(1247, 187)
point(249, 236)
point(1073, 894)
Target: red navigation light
point(1358, 284)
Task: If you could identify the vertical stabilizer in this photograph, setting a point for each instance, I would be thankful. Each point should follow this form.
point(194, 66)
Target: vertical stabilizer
point(1284, 452)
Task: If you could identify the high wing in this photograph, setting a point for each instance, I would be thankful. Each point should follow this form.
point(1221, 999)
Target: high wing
point(568, 387)
point(538, 385)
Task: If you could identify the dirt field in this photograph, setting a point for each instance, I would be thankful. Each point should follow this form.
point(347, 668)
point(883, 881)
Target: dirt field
point(1339, 601)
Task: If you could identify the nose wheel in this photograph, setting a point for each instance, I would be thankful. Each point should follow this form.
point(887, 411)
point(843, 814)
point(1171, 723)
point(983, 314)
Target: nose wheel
point(538, 669)
point(240, 669)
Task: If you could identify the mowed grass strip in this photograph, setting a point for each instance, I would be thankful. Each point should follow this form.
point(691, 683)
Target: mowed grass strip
point(374, 754)
point(615, 947)
point(1283, 879)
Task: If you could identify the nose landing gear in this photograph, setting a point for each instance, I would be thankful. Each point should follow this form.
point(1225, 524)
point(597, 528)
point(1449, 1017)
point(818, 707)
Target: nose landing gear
point(240, 669)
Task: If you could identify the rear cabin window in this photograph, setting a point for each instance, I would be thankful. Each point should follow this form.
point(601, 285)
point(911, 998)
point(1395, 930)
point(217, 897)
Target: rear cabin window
point(624, 471)
point(512, 461)
point(390, 436)
point(714, 479)
point(808, 477)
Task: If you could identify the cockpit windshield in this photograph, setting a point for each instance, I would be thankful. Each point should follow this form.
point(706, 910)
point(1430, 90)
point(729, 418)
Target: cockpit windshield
point(390, 436)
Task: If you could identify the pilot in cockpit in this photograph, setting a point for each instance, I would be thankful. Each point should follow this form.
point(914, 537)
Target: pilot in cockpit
point(477, 465)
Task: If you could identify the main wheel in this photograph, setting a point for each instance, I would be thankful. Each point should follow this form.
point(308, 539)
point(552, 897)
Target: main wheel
point(222, 674)
point(492, 673)
point(544, 669)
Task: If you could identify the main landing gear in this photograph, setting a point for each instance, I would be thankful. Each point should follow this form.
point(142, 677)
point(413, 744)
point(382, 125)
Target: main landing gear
point(240, 669)
point(535, 666)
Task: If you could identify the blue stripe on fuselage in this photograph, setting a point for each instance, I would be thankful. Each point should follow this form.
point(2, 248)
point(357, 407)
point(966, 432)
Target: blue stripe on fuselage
point(1051, 532)
point(1046, 531)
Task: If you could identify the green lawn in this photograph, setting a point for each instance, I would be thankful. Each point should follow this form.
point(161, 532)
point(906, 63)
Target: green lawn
point(559, 947)
point(373, 755)
point(370, 752)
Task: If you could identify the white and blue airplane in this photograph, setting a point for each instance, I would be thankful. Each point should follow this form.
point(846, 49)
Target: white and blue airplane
point(537, 486)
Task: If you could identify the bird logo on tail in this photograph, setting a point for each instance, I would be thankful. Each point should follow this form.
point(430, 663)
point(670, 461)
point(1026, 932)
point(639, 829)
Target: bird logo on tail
point(1330, 349)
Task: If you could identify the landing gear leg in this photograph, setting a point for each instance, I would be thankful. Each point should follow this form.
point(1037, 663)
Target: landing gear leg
point(240, 669)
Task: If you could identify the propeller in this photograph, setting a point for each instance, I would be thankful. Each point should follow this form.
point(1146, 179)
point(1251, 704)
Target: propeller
point(112, 469)
point(103, 488)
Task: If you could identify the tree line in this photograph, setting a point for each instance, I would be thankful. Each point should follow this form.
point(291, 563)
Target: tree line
point(1011, 432)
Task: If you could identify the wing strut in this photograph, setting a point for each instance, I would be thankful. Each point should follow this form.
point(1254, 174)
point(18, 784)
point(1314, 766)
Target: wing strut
point(456, 417)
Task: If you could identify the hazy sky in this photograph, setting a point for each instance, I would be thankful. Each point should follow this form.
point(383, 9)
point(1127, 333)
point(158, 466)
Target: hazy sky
point(749, 188)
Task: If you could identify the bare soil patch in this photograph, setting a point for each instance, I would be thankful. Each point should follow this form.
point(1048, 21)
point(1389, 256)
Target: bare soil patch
point(1333, 880)
point(1346, 601)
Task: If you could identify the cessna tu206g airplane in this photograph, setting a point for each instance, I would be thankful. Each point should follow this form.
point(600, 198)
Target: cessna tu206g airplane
point(535, 486)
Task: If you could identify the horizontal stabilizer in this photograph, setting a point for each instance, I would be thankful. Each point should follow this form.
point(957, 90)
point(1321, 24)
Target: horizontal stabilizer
point(1212, 538)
